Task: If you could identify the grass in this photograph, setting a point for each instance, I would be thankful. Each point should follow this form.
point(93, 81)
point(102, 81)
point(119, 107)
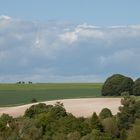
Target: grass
point(13, 94)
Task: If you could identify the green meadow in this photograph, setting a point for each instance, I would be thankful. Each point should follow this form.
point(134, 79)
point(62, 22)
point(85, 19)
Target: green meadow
point(15, 94)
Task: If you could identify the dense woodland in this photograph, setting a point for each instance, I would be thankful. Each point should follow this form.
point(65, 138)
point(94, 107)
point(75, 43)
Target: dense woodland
point(47, 122)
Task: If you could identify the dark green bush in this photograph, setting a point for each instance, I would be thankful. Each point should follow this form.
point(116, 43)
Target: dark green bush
point(34, 100)
point(37, 109)
point(116, 84)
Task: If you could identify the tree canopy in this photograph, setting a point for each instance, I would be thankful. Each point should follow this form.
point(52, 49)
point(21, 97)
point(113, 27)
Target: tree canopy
point(136, 87)
point(105, 113)
point(116, 85)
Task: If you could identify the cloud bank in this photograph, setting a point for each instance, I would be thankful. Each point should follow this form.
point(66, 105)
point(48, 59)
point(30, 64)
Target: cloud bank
point(59, 52)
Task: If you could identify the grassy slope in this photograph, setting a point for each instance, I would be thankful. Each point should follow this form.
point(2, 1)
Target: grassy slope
point(11, 94)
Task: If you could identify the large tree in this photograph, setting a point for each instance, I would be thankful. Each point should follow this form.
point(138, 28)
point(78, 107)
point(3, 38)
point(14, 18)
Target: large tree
point(116, 85)
point(136, 87)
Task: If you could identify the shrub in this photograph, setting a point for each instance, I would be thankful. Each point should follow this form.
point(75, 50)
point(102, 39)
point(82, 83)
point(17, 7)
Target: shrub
point(34, 100)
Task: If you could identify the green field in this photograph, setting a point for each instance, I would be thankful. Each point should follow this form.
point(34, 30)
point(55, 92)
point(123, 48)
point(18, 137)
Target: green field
point(14, 94)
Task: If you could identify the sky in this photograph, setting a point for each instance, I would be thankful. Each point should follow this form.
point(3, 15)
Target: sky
point(97, 12)
point(68, 41)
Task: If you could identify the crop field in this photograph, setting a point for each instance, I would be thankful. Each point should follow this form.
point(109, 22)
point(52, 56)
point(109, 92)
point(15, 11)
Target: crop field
point(16, 94)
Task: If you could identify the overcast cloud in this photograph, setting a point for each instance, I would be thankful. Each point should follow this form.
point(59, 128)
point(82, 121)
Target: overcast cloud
point(59, 52)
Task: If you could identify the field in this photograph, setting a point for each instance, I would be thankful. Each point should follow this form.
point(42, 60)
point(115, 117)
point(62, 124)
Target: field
point(17, 94)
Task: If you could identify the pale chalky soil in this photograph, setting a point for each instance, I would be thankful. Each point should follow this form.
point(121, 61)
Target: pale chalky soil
point(78, 107)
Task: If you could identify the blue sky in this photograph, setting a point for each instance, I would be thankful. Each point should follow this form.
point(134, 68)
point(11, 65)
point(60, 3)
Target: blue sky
point(97, 12)
point(68, 41)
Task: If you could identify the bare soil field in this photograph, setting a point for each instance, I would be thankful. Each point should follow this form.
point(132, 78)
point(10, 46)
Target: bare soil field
point(78, 107)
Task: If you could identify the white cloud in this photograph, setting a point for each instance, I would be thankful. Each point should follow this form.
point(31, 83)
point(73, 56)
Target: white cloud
point(85, 25)
point(3, 17)
point(69, 37)
point(91, 33)
point(81, 31)
point(55, 52)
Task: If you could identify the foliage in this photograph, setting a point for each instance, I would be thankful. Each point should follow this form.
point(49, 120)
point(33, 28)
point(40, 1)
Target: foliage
point(58, 110)
point(136, 87)
point(37, 109)
point(59, 136)
point(97, 135)
point(74, 136)
point(110, 126)
point(123, 134)
point(6, 118)
point(116, 84)
point(128, 111)
point(134, 133)
point(28, 131)
point(105, 113)
point(95, 122)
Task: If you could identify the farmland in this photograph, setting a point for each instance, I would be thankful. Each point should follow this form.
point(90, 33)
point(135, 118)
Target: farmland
point(16, 94)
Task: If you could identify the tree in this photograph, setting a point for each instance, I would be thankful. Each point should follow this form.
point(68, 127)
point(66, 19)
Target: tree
point(74, 136)
point(116, 84)
point(59, 136)
point(136, 87)
point(44, 121)
point(37, 109)
point(95, 122)
point(97, 135)
point(134, 133)
point(128, 111)
point(137, 108)
point(123, 134)
point(2, 126)
point(110, 126)
point(105, 113)
point(58, 110)
point(28, 131)
point(6, 118)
